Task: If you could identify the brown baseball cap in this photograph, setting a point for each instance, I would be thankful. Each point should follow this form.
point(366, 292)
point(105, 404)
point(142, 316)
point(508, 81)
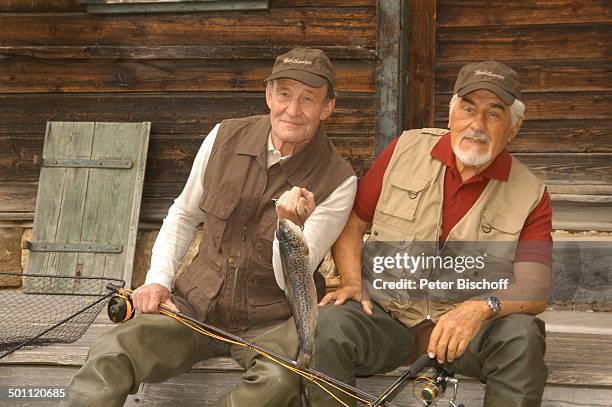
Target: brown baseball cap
point(307, 65)
point(490, 75)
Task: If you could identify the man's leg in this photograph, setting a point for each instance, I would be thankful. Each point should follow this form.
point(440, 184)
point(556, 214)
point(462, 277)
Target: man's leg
point(147, 349)
point(350, 343)
point(508, 354)
point(266, 383)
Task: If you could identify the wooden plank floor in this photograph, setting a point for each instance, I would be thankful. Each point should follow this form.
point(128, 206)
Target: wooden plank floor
point(197, 388)
point(578, 357)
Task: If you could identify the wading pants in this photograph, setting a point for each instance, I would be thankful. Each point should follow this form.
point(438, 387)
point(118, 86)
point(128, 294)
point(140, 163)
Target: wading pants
point(152, 348)
point(506, 354)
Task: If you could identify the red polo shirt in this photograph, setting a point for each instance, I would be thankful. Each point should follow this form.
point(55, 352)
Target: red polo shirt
point(460, 196)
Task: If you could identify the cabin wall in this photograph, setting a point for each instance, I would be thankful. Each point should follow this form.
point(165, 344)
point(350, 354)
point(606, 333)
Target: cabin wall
point(183, 72)
point(561, 51)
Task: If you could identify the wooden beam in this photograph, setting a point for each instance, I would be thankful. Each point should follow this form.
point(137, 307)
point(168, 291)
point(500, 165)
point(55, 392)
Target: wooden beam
point(421, 64)
point(173, 52)
point(390, 73)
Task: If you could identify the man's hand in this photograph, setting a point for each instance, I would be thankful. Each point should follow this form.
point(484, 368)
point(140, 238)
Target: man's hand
point(148, 297)
point(295, 205)
point(350, 291)
point(455, 329)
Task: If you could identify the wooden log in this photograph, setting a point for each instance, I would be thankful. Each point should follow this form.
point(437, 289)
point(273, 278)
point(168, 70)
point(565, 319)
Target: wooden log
point(217, 52)
point(180, 112)
point(421, 64)
point(580, 189)
point(570, 168)
point(576, 215)
point(551, 106)
point(45, 6)
point(470, 13)
point(169, 158)
point(508, 43)
point(76, 5)
point(543, 75)
point(390, 74)
point(277, 27)
point(30, 75)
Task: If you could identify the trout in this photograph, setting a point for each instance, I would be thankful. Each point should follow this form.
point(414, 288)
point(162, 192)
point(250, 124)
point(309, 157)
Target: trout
point(299, 287)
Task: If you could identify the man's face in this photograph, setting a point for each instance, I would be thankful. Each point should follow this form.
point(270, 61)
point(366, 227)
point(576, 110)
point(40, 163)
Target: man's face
point(296, 110)
point(481, 127)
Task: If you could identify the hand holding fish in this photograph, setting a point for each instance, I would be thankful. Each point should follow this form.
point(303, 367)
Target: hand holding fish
point(295, 205)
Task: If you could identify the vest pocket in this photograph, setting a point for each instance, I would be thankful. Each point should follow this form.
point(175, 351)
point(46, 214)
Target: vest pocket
point(498, 234)
point(199, 285)
point(402, 197)
point(266, 300)
point(217, 209)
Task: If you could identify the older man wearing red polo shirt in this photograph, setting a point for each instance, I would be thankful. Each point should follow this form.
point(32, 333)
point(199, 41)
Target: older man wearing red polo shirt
point(447, 187)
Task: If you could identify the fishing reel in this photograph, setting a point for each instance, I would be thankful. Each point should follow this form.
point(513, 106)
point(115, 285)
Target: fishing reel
point(429, 388)
point(120, 307)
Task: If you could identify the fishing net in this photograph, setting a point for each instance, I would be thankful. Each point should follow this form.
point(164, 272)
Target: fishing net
point(49, 309)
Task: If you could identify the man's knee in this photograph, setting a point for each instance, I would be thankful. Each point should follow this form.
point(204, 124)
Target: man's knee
point(520, 332)
point(265, 383)
point(337, 321)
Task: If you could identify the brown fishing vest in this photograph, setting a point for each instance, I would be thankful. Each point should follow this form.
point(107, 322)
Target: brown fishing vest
point(231, 281)
point(408, 217)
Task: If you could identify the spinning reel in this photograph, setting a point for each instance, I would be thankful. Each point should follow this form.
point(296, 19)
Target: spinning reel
point(427, 389)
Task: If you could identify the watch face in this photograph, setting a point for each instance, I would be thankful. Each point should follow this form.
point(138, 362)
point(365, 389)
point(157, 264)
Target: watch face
point(494, 304)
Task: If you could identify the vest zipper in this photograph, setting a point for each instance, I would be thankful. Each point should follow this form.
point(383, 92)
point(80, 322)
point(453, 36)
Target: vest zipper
point(233, 301)
point(243, 231)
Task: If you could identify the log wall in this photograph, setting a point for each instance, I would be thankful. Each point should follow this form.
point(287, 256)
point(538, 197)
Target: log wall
point(561, 51)
point(182, 72)
point(185, 72)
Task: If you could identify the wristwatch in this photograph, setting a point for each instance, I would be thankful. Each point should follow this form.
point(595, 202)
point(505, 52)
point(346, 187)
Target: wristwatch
point(494, 304)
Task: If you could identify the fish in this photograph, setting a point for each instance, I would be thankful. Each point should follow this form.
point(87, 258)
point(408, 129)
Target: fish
point(299, 287)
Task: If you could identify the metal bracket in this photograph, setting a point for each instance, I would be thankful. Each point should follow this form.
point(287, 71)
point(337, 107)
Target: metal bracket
point(72, 247)
point(86, 163)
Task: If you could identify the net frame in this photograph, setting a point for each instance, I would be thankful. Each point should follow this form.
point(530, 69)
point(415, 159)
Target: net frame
point(50, 309)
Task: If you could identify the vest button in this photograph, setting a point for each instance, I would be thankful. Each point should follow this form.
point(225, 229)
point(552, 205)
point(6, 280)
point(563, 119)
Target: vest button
point(375, 233)
point(486, 228)
point(412, 194)
point(230, 260)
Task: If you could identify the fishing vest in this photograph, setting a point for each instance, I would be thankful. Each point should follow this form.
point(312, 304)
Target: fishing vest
point(408, 218)
point(231, 281)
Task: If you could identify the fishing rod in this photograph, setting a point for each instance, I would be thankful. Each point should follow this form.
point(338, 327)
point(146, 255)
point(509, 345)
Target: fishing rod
point(121, 310)
point(426, 389)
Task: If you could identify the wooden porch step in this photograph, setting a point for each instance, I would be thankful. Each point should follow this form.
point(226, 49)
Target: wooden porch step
point(197, 388)
point(577, 356)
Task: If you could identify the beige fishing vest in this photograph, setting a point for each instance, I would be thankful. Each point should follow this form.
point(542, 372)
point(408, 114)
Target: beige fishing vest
point(409, 215)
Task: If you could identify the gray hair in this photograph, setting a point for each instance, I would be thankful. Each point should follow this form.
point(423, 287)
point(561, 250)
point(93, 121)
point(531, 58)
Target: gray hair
point(517, 109)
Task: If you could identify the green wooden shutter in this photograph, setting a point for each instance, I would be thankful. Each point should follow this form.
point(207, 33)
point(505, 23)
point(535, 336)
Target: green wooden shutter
point(88, 201)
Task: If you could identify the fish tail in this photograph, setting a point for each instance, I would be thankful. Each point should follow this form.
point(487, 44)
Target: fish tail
point(304, 397)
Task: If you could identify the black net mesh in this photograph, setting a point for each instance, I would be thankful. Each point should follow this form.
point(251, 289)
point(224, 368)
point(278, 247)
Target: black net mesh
point(49, 309)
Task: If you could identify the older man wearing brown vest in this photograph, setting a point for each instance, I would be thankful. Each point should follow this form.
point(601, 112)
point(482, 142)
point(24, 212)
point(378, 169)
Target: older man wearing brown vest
point(235, 281)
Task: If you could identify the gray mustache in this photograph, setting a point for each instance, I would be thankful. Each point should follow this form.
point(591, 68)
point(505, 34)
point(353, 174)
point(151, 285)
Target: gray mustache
point(476, 135)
